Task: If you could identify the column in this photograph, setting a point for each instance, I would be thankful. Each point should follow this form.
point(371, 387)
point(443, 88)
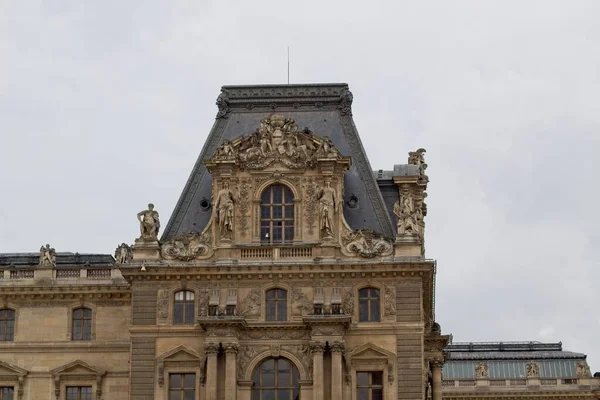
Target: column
point(436, 371)
point(211, 350)
point(337, 349)
point(231, 350)
point(317, 349)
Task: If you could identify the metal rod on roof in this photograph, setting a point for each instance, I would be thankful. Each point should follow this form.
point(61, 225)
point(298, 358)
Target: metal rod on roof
point(288, 69)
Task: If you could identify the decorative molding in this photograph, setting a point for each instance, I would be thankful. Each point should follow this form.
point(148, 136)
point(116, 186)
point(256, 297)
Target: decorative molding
point(163, 300)
point(250, 306)
point(245, 355)
point(310, 196)
point(533, 370)
point(274, 334)
point(302, 353)
point(346, 99)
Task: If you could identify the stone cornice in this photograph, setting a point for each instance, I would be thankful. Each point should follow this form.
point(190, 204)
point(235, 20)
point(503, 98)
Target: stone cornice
point(65, 347)
point(65, 292)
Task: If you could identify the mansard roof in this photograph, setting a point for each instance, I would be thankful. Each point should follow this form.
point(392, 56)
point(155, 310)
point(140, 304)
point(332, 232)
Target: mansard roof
point(509, 359)
point(325, 110)
point(63, 260)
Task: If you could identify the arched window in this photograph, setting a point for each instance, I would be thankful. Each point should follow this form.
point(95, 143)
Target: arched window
point(276, 305)
point(368, 305)
point(7, 325)
point(82, 324)
point(276, 379)
point(277, 215)
point(183, 309)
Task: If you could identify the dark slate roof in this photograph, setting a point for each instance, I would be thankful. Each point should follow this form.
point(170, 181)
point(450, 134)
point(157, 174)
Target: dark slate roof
point(318, 107)
point(509, 359)
point(63, 260)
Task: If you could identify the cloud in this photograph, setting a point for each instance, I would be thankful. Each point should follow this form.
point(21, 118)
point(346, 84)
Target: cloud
point(105, 107)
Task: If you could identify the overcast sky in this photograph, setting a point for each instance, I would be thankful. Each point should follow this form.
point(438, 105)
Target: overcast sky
point(105, 106)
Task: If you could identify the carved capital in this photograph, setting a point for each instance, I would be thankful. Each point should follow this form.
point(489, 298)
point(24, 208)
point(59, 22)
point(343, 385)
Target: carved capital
point(337, 347)
point(211, 348)
point(317, 347)
point(231, 348)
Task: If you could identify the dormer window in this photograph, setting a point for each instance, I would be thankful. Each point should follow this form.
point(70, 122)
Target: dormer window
point(277, 215)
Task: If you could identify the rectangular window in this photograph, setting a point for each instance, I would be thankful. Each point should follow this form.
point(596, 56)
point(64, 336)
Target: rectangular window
point(79, 393)
point(230, 310)
point(213, 310)
point(182, 386)
point(7, 393)
point(369, 385)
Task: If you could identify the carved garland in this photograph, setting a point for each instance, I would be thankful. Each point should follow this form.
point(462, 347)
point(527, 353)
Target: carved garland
point(187, 247)
point(366, 243)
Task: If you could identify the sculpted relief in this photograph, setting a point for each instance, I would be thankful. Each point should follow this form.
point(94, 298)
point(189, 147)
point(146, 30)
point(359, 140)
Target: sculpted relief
point(187, 246)
point(366, 243)
point(277, 139)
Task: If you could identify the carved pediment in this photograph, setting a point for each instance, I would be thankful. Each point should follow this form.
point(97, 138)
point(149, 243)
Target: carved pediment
point(370, 352)
point(180, 354)
point(276, 140)
point(7, 369)
point(78, 368)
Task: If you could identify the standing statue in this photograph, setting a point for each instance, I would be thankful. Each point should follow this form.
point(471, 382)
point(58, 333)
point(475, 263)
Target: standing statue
point(482, 371)
point(123, 253)
point(327, 208)
point(149, 223)
point(47, 256)
point(224, 211)
point(406, 215)
point(533, 370)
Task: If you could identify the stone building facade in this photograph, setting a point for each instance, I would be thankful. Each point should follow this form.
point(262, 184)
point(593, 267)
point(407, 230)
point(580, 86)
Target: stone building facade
point(288, 270)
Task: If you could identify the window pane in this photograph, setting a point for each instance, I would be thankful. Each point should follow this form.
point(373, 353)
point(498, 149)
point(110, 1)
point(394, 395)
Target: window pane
point(362, 379)
point(189, 395)
point(268, 374)
point(374, 293)
point(76, 331)
point(283, 394)
point(87, 313)
point(268, 395)
point(86, 393)
point(289, 211)
point(289, 196)
point(189, 313)
point(375, 310)
point(277, 233)
point(281, 294)
point(289, 233)
point(189, 381)
point(277, 212)
point(175, 381)
point(271, 316)
point(363, 292)
point(271, 293)
point(376, 379)
point(178, 313)
point(7, 393)
point(87, 330)
point(377, 394)
point(277, 194)
point(362, 394)
point(174, 395)
point(265, 212)
point(266, 196)
point(363, 310)
point(189, 295)
point(179, 296)
point(281, 311)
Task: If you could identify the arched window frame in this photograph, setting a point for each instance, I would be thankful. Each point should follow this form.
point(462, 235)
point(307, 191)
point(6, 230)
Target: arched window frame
point(174, 303)
point(74, 307)
point(294, 372)
point(4, 326)
point(379, 307)
point(288, 312)
point(297, 208)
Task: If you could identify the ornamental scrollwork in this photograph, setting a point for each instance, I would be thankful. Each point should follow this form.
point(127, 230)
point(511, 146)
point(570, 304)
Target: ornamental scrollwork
point(163, 305)
point(244, 188)
point(278, 334)
point(187, 247)
point(366, 243)
point(276, 140)
point(310, 192)
point(389, 301)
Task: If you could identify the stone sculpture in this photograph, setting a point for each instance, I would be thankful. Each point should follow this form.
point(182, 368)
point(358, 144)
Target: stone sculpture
point(47, 256)
point(366, 243)
point(224, 211)
point(223, 104)
point(406, 215)
point(123, 254)
point(481, 371)
point(418, 158)
point(277, 139)
point(582, 370)
point(149, 223)
point(327, 209)
point(187, 246)
point(533, 370)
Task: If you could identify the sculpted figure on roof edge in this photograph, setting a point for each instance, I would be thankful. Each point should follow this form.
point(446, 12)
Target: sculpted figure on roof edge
point(149, 223)
point(47, 256)
point(406, 215)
